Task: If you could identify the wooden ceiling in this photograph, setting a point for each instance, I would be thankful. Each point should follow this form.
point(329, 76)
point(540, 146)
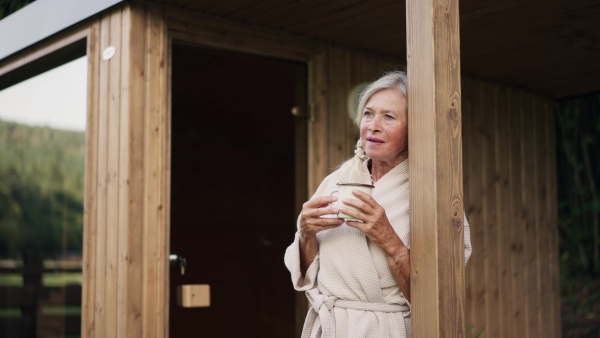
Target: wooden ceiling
point(549, 46)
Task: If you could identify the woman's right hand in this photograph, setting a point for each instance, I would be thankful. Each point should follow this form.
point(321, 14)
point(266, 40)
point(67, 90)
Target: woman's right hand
point(311, 221)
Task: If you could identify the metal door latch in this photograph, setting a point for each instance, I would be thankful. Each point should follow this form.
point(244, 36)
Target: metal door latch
point(175, 258)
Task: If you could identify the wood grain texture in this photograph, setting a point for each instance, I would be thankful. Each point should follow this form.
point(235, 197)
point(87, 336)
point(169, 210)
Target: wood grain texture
point(124, 227)
point(90, 228)
point(528, 214)
point(129, 170)
point(130, 181)
point(501, 147)
point(490, 230)
point(112, 176)
point(318, 126)
point(474, 185)
point(215, 32)
point(524, 260)
point(103, 152)
point(518, 226)
point(437, 248)
point(156, 176)
point(470, 164)
point(339, 128)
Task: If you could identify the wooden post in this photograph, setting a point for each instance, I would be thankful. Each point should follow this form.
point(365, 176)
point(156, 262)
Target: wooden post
point(434, 116)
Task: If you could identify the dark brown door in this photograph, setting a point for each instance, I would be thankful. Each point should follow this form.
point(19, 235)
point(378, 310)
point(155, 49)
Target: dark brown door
point(233, 190)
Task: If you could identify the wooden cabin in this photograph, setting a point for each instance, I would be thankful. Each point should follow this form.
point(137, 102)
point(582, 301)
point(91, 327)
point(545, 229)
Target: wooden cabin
point(209, 123)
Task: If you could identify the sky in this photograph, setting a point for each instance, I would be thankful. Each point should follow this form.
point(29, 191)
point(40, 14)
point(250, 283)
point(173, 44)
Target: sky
point(56, 98)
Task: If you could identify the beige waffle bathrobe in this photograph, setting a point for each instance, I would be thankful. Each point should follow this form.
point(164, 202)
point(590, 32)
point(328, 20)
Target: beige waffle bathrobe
point(349, 284)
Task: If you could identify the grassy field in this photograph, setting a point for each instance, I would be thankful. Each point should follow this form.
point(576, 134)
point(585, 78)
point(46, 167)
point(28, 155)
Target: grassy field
point(49, 279)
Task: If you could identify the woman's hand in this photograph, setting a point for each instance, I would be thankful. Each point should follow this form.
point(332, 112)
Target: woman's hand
point(377, 227)
point(311, 222)
point(375, 223)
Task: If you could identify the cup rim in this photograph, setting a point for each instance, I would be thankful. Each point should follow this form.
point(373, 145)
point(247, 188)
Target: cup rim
point(356, 184)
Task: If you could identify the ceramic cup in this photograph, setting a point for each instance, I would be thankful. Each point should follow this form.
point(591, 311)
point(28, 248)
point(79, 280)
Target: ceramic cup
point(344, 191)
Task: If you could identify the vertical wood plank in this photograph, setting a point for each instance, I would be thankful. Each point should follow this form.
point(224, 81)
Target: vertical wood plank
point(318, 126)
point(354, 64)
point(100, 304)
point(472, 205)
point(471, 161)
point(543, 277)
point(112, 235)
point(516, 224)
point(131, 176)
point(501, 135)
point(337, 82)
point(552, 210)
point(437, 246)
point(528, 213)
point(91, 179)
point(163, 210)
point(490, 233)
point(156, 179)
point(122, 224)
point(477, 220)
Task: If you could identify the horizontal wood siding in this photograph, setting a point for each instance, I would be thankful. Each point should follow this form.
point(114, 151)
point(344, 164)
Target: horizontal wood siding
point(126, 257)
point(510, 199)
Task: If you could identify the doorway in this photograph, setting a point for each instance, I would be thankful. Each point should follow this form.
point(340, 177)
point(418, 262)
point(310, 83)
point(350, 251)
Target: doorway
point(234, 195)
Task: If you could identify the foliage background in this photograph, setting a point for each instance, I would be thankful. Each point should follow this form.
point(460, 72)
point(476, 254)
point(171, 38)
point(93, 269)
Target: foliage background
point(578, 174)
point(41, 190)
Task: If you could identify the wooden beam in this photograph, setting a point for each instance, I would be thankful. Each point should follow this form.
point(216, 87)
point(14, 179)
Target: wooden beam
point(434, 98)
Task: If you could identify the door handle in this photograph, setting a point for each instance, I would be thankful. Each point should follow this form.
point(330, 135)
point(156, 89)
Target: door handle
point(175, 258)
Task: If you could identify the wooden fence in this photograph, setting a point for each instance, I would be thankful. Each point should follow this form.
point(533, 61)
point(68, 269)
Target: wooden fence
point(35, 310)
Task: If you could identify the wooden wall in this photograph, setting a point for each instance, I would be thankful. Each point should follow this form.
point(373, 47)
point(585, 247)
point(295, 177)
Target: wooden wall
point(510, 198)
point(126, 208)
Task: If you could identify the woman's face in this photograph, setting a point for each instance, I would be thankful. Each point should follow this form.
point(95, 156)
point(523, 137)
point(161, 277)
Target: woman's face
point(384, 127)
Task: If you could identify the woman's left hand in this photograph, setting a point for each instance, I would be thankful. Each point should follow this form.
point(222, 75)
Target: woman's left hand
point(378, 229)
point(375, 223)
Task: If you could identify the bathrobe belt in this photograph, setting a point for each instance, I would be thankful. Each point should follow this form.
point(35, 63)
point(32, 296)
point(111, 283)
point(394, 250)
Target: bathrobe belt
point(322, 306)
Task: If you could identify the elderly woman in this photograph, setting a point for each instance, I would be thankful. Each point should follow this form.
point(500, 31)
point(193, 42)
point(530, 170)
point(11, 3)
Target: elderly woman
point(356, 274)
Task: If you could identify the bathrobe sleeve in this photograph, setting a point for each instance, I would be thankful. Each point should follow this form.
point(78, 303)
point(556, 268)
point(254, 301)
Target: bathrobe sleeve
point(467, 234)
point(292, 253)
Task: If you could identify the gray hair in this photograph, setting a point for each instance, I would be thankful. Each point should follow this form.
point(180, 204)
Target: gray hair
point(396, 80)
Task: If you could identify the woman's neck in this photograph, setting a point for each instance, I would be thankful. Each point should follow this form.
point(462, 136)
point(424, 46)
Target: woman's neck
point(380, 168)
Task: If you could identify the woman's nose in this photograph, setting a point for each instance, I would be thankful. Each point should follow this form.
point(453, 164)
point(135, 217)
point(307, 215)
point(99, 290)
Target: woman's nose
point(375, 124)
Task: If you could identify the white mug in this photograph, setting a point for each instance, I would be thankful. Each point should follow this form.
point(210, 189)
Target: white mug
point(345, 191)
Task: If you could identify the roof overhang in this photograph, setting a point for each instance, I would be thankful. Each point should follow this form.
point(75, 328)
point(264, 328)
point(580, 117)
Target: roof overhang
point(44, 18)
point(550, 47)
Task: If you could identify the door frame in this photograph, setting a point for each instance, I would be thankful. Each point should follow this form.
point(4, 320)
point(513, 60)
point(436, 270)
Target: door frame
point(209, 32)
